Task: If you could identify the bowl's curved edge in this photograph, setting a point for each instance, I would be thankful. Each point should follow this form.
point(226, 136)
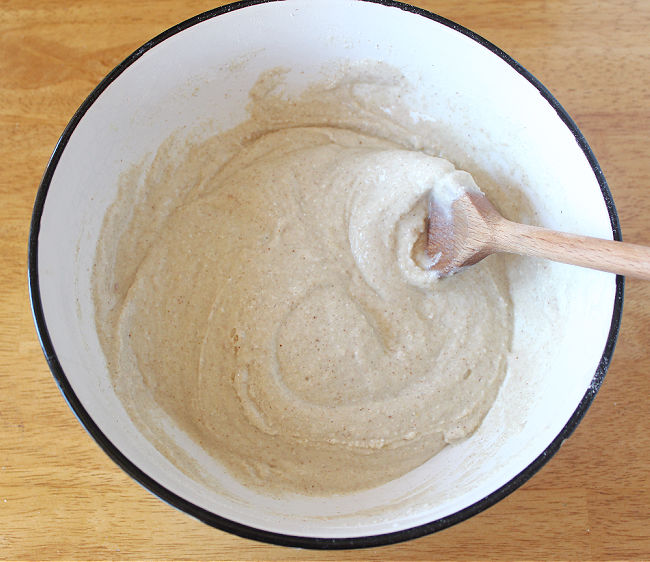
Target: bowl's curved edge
point(232, 526)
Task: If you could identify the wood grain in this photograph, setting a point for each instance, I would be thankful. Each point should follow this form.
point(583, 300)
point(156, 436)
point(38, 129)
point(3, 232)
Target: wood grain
point(60, 495)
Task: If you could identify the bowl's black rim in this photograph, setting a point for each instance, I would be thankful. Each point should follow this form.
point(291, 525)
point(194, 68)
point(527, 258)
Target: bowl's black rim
point(233, 526)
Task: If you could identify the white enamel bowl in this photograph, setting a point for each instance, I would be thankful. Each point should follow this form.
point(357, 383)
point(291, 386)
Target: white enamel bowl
point(203, 69)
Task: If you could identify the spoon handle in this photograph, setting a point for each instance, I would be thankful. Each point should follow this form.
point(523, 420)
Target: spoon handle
point(606, 255)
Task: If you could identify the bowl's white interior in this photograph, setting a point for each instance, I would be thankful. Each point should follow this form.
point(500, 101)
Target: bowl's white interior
point(205, 73)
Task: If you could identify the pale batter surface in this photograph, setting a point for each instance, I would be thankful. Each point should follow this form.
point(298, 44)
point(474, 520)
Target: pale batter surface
point(263, 288)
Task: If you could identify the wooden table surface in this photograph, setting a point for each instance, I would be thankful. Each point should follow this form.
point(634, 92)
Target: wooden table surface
point(60, 495)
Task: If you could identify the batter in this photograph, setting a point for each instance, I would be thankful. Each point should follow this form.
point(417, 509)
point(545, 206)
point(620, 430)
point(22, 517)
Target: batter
point(266, 288)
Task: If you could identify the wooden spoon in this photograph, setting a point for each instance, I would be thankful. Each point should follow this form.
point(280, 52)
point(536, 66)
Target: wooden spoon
point(473, 229)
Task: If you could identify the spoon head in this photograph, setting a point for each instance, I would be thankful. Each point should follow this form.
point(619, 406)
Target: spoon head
point(459, 236)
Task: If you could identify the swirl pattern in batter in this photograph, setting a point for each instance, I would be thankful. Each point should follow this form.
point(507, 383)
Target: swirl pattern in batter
point(271, 300)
